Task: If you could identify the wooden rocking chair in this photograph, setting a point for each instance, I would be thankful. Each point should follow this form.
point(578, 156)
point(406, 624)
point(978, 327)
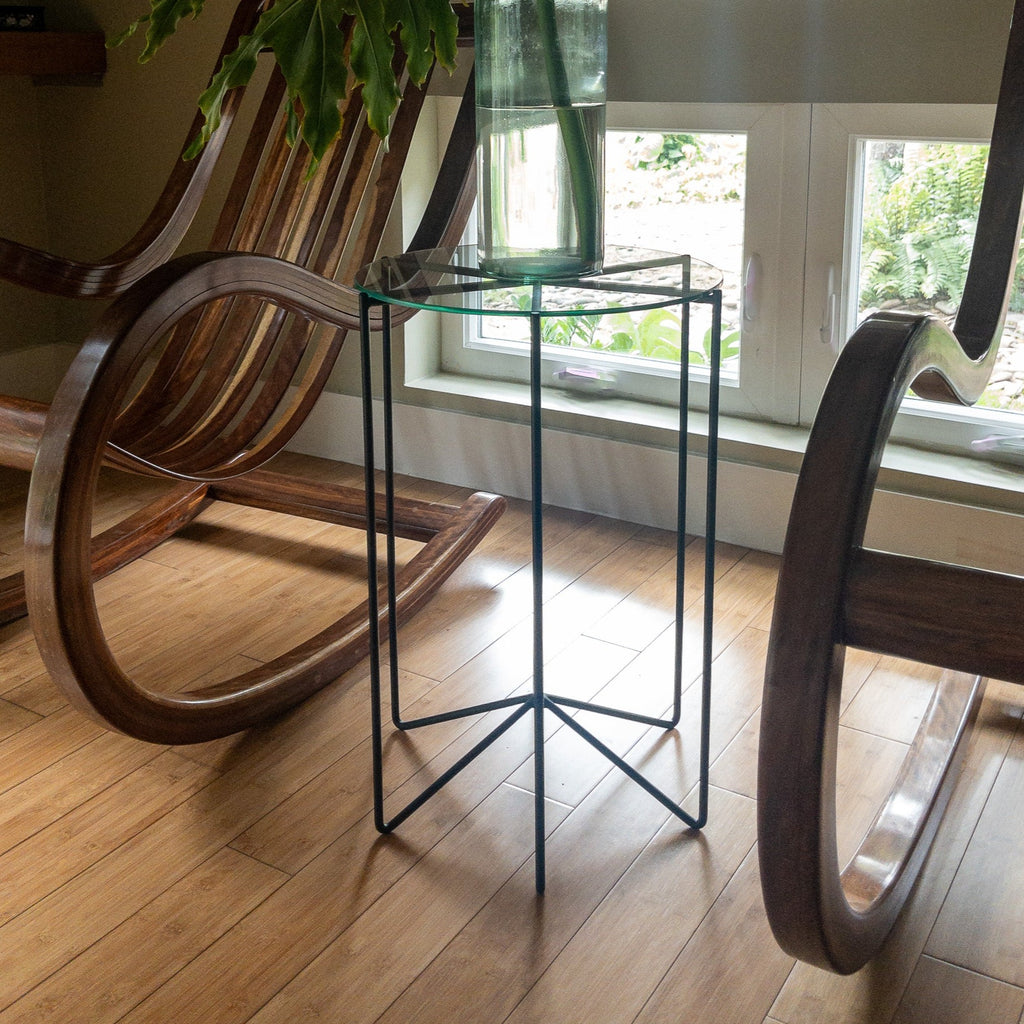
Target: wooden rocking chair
point(833, 592)
point(202, 370)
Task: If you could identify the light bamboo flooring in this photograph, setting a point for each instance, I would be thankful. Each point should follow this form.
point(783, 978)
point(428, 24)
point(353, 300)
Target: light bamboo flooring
point(242, 880)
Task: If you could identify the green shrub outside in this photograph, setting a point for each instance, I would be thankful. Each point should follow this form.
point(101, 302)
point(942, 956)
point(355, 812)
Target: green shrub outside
point(921, 212)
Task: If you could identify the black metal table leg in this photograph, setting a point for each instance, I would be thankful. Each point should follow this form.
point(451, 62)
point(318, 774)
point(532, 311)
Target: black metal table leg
point(538, 700)
point(537, 527)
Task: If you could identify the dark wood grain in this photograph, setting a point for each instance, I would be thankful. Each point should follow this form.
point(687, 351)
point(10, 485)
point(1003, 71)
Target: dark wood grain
point(21, 426)
point(832, 593)
point(45, 54)
point(201, 370)
point(901, 606)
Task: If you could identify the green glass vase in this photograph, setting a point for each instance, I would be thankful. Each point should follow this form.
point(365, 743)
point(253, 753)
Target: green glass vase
point(540, 106)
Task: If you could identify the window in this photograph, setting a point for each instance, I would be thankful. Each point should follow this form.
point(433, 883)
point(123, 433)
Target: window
point(678, 178)
point(898, 234)
point(661, 186)
point(798, 250)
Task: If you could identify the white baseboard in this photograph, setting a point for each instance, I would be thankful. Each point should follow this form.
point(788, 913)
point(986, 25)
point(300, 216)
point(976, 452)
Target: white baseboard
point(593, 474)
point(636, 483)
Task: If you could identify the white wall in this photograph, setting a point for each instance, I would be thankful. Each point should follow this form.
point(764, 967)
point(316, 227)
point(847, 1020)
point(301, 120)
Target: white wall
point(807, 51)
point(102, 153)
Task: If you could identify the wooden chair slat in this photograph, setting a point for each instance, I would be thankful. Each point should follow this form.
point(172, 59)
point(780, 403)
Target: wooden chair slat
point(833, 593)
point(203, 368)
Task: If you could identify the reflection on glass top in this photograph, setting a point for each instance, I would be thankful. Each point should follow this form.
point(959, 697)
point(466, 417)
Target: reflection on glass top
point(450, 280)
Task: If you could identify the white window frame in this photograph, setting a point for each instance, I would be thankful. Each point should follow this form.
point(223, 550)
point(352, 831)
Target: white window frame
point(777, 143)
point(837, 132)
point(801, 165)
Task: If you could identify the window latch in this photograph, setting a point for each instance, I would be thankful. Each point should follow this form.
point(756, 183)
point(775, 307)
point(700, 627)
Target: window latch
point(828, 325)
point(752, 287)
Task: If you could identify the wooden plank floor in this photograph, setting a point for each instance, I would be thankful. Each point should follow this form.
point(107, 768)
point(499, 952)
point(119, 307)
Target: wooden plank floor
point(242, 880)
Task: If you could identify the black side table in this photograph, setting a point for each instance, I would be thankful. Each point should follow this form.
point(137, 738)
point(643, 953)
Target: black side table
point(451, 281)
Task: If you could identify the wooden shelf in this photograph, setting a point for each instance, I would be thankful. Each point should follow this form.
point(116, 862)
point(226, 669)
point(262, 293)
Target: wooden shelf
point(49, 54)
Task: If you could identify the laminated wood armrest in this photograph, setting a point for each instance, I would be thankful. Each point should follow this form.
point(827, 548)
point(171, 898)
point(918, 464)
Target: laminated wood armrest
point(160, 235)
point(109, 275)
point(833, 592)
point(200, 370)
point(75, 442)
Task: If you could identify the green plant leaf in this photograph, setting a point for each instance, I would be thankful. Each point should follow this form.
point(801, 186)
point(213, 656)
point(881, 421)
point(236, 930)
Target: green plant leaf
point(372, 52)
point(658, 334)
point(310, 48)
point(163, 19)
point(235, 70)
point(919, 221)
point(308, 45)
point(429, 28)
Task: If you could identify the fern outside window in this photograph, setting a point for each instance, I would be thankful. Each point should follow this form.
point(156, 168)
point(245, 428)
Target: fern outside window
point(916, 212)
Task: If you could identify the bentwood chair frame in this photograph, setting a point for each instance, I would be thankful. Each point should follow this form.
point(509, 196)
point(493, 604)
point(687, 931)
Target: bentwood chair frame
point(200, 371)
point(834, 592)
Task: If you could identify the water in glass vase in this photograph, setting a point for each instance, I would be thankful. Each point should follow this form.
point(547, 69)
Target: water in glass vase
point(540, 189)
point(540, 93)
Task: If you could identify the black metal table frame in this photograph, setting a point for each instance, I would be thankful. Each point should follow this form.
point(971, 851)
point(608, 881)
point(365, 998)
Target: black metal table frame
point(538, 700)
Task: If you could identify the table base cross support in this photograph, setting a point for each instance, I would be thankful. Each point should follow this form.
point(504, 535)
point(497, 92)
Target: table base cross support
point(430, 282)
point(522, 705)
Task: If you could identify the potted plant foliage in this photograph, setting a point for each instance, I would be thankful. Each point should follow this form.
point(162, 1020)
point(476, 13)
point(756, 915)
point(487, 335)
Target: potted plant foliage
point(318, 63)
point(540, 95)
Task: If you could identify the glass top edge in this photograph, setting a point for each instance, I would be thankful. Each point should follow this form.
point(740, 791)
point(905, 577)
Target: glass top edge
point(450, 279)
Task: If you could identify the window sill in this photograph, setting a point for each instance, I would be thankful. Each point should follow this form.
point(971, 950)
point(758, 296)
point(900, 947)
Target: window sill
point(905, 469)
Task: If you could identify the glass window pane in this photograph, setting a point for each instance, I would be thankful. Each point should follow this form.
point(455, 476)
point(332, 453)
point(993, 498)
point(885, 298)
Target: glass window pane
point(918, 214)
point(677, 191)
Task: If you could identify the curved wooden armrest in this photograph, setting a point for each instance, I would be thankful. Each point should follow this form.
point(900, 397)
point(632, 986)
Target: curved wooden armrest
point(447, 212)
point(831, 592)
point(833, 917)
point(154, 244)
point(202, 369)
point(75, 442)
point(137, 322)
point(161, 234)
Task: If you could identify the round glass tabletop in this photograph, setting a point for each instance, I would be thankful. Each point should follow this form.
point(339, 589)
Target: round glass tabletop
point(450, 280)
